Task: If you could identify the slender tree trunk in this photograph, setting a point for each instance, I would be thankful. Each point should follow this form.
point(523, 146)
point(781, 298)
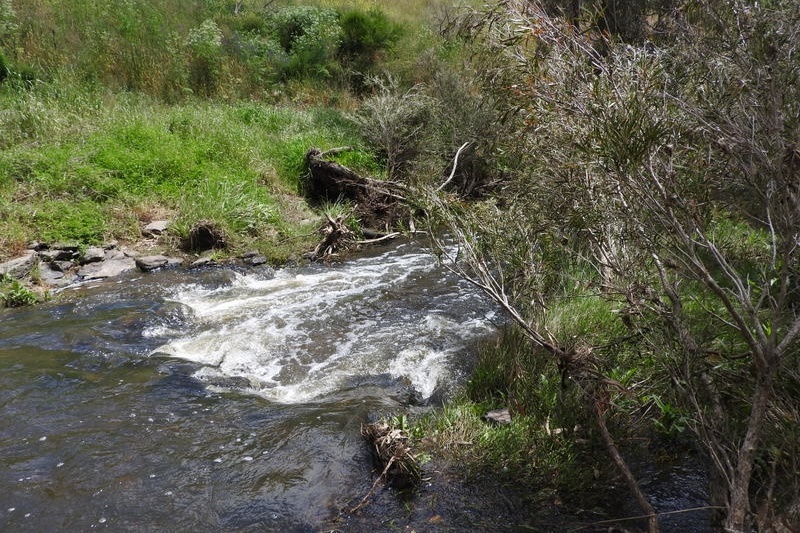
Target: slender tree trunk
point(622, 466)
point(739, 505)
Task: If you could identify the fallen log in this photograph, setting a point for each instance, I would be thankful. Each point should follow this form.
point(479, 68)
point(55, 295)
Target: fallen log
point(336, 236)
point(380, 203)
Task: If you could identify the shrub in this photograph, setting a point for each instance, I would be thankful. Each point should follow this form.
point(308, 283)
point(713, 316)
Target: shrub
point(364, 36)
point(8, 17)
point(205, 49)
point(14, 294)
point(310, 36)
point(3, 67)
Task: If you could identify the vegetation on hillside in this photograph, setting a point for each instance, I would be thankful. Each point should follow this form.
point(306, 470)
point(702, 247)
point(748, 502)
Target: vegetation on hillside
point(641, 230)
point(202, 113)
point(621, 177)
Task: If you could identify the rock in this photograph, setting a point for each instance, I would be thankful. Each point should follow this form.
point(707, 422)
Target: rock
point(111, 245)
point(37, 246)
point(203, 261)
point(19, 266)
point(499, 417)
point(256, 260)
point(69, 247)
point(93, 254)
point(62, 266)
point(155, 228)
point(147, 263)
point(56, 255)
point(113, 266)
point(54, 278)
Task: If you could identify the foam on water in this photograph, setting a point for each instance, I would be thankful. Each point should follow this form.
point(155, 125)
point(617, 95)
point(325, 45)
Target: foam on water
point(306, 332)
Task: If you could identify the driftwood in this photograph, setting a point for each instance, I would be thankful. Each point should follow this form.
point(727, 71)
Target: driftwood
point(336, 236)
point(392, 454)
point(379, 203)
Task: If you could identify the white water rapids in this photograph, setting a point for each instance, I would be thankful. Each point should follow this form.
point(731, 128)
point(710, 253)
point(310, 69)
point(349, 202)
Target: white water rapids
point(309, 332)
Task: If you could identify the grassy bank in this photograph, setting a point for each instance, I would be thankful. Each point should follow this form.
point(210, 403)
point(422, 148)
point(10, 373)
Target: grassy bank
point(188, 112)
point(92, 167)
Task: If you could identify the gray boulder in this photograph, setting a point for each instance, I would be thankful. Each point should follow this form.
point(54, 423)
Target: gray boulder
point(155, 228)
point(113, 266)
point(147, 263)
point(62, 266)
point(19, 266)
point(53, 277)
point(93, 254)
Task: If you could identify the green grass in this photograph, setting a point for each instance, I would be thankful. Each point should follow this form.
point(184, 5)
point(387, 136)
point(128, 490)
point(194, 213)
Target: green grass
point(102, 160)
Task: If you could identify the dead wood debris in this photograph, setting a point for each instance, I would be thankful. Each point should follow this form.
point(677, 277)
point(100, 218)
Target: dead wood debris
point(336, 236)
point(392, 453)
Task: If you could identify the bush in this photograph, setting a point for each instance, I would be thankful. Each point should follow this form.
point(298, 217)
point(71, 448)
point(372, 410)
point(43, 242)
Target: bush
point(14, 294)
point(364, 36)
point(3, 67)
point(205, 49)
point(310, 36)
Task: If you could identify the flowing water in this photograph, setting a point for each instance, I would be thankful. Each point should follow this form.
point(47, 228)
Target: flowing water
point(220, 400)
point(231, 400)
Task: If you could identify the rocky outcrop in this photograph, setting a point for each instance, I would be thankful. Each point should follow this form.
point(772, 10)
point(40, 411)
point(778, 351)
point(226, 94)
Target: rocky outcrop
point(115, 262)
point(60, 265)
point(53, 266)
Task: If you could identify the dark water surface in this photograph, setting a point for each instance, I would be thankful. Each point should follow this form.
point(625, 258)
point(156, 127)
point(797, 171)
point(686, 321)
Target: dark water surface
point(224, 400)
point(217, 400)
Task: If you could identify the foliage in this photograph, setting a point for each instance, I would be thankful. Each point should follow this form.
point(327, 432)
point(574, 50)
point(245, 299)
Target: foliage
point(4, 70)
point(94, 171)
point(660, 181)
point(15, 294)
point(393, 121)
point(365, 35)
point(310, 37)
point(204, 44)
point(8, 23)
point(208, 49)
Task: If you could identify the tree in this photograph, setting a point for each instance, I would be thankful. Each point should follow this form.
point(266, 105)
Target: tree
point(671, 172)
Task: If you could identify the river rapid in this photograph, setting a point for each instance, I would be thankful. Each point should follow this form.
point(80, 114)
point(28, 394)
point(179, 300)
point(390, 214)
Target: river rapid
point(220, 399)
point(224, 399)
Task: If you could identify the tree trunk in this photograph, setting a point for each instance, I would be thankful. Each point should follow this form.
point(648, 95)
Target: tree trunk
point(739, 506)
point(622, 466)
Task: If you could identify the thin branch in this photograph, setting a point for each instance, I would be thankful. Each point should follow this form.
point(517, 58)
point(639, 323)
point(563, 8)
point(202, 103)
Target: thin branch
point(455, 165)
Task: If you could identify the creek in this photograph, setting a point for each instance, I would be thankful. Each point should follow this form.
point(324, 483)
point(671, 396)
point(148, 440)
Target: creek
point(221, 399)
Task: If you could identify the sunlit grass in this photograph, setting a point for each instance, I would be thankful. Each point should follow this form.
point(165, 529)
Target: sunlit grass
point(224, 162)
